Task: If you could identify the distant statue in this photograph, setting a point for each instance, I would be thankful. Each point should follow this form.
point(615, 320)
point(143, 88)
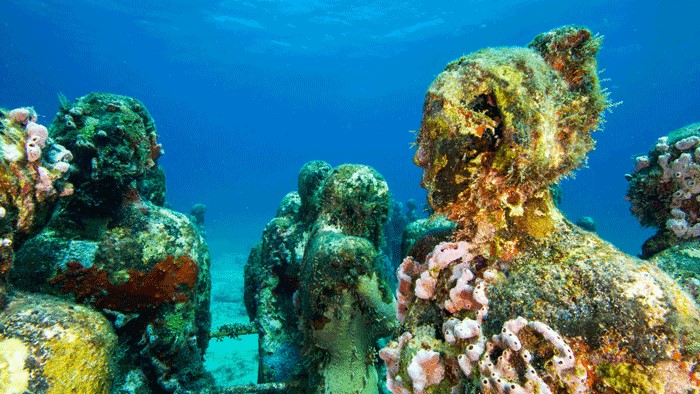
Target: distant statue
point(272, 278)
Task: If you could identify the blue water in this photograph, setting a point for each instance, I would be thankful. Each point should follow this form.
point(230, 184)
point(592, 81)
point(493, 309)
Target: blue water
point(245, 92)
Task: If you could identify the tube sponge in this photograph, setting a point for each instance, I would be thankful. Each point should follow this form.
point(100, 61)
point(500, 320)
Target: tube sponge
point(426, 369)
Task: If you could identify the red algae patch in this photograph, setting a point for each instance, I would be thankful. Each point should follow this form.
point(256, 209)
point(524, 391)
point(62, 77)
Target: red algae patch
point(169, 281)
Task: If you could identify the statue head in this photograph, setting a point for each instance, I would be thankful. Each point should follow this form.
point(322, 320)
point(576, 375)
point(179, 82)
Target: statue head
point(500, 125)
point(356, 199)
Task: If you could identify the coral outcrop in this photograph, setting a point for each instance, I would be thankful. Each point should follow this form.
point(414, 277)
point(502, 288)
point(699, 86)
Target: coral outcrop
point(345, 303)
point(521, 300)
point(664, 190)
point(33, 175)
point(144, 266)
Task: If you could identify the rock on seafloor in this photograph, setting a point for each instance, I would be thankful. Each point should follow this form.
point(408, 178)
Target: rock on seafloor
point(51, 346)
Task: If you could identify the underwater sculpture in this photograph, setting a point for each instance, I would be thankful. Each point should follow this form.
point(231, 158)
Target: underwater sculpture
point(144, 266)
point(664, 190)
point(46, 345)
point(272, 277)
point(322, 238)
point(345, 303)
point(521, 300)
point(197, 214)
point(587, 223)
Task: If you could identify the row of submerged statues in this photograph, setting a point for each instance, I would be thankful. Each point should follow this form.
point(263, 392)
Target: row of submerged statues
point(497, 291)
point(103, 289)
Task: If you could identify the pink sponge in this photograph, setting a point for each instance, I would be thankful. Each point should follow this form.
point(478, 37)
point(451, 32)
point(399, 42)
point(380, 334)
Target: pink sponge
point(37, 133)
point(425, 369)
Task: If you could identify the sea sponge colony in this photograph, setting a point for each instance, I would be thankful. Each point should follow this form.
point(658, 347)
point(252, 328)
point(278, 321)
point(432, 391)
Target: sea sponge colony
point(33, 171)
point(32, 176)
point(499, 363)
point(664, 190)
point(665, 186)
point(509, 304)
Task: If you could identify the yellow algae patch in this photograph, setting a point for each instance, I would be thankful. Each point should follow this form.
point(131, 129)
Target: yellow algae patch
point(79, 361)
point(629, 378)
point(13, 376)
point(537, 219)
point(70, 347)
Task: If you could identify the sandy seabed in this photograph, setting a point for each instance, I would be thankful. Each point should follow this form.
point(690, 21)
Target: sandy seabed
point(231, 361)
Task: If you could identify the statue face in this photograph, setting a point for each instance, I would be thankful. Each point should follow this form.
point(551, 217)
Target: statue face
point(499, 123)
point(454, 148)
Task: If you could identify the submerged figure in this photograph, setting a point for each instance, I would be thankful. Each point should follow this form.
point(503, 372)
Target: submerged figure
point(145, 267)
point(425, 233)
point(345, 302)
point(522, 300)
point(272, 278)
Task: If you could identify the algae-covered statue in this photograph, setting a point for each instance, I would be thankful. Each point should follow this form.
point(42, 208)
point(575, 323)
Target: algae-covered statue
point(272, 277)
point(345, 303)
point(113, 245)
point(521, 300)
point(315, 284)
